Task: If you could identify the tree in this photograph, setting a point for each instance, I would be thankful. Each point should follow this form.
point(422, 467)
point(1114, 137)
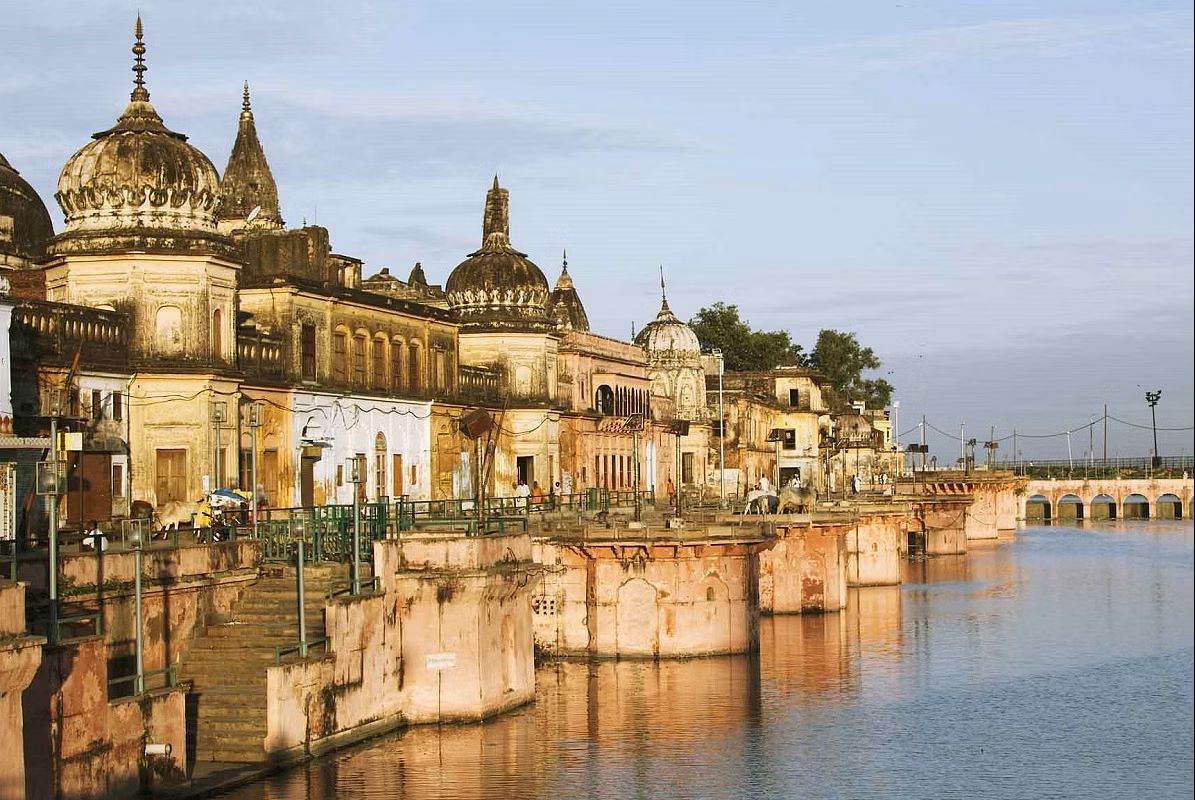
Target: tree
point(841, 358)
point(719, 326)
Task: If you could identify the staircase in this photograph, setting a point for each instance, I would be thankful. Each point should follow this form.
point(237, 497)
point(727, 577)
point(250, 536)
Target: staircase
point(227, 663)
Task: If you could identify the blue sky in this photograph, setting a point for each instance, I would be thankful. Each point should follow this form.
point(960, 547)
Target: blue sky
point(996, 197)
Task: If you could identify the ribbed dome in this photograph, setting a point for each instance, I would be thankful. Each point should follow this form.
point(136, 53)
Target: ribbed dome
point(564, 304)
point(666, 333)
point(138, 174)
point(498, 287)
point(27, 227)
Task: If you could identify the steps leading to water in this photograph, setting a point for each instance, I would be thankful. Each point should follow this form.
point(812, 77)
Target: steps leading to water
point(227, 663)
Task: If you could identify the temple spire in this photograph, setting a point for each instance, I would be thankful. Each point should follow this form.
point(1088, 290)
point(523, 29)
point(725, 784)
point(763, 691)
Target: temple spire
point(140, 93)
point(495, 225)
point(564, 262)
point(248, 192)
point(663, 291)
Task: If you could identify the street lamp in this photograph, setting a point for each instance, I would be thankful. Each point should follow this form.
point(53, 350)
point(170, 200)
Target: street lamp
point(256, 409)
point(717, 353)
point(218, 415)
point(135, 540)
point(1152, 398)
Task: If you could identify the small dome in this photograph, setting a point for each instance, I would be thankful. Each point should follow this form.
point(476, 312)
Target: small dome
point(498, 287)
point(564, 304)
point(666, 333)
point(25, 226)
point(138, 174)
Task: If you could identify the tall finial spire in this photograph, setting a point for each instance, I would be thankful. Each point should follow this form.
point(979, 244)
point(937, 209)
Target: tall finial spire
point(495, 225)
point(245, 107)
point(140, 93)
point(663, 292)
point(564, 261)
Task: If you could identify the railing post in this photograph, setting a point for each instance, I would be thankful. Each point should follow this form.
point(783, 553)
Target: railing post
point(301, 591)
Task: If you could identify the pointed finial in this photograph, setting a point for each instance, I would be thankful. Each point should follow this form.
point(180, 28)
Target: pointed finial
point(496, 186)
point(245, 99)
point(564, 261)
point(663, 292)
point(139, 91)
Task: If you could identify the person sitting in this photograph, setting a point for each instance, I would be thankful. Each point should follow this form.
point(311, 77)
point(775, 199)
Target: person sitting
point(93, 537)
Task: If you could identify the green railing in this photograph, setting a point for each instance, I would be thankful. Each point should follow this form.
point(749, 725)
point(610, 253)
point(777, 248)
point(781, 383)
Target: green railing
point(342, 586)
point(92, 618)
point(139, 681)
point(302, 648)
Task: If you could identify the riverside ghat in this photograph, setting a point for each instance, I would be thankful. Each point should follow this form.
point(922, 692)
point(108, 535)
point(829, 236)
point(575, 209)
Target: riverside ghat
point(447, 624)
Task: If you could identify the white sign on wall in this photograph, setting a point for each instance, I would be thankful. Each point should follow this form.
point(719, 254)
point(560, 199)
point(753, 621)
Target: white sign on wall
point(441, 661)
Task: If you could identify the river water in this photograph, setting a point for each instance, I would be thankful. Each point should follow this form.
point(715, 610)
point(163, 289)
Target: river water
point(1056, 664)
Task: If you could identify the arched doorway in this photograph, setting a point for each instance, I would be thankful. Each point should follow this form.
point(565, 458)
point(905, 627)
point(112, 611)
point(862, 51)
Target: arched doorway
point(637, 619)
point(1070, 508)
point(1169, 506)
point(1103, 507)
point(1135, 506)
point(1037, 509)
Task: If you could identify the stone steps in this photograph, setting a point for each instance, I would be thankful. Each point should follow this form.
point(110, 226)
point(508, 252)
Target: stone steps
point(227, 663)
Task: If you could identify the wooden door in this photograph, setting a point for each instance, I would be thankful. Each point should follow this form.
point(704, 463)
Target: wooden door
point(89, 487)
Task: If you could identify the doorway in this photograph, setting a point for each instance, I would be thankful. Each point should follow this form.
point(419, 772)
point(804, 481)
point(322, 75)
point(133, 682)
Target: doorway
point(526, 469)
point(89, 487)
point(307, 481)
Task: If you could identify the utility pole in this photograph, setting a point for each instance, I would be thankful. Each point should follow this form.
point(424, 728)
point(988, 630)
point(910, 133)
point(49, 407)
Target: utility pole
point(1016, 454)
point(50, 485)
point(1105, 434)
point(962, 443)
point(356, 478)
point(721, 436)
point(923, 451)
point(1152, 398)
point(1070, 463)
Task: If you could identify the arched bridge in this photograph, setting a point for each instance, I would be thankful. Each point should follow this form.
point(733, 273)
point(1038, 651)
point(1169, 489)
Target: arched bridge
point(1111, 498)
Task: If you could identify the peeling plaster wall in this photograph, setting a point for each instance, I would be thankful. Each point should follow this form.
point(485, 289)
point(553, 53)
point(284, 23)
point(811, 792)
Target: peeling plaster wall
point(647, 601)
point(447, 639)
point(20, 657)
point(805, 571)
point(875, 544)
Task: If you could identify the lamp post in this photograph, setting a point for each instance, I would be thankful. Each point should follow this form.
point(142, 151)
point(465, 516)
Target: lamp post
point(353, 468)
point(636, 423)
point(717, 353)
point(255, 414)
point(1152, 398)
point(49, 484)
point(218, 414)
point(298, 530)
point(135, 541)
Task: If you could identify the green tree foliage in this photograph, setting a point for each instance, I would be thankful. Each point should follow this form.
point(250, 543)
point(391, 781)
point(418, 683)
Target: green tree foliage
point(841, 358)
point(719, 326)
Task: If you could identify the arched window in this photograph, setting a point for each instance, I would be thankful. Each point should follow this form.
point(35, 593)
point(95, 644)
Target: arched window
point(359, 359)
point(168, 327)
point(217, 334)
point(603, 400)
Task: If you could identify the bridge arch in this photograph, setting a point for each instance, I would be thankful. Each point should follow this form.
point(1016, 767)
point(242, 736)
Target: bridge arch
point(1103, 507)
point(1135, 506)
point(1168, 506)
point(1038, 508)
point(1070, 508)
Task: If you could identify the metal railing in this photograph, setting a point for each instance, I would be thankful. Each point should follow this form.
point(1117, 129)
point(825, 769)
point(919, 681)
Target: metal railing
point(138, 681)
point(302, 648)
point(1092, 469)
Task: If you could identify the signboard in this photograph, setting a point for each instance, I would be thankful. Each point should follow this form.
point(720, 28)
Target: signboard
point(438, 662)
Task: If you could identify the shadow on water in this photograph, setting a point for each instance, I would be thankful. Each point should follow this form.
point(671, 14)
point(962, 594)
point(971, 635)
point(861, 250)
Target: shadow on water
point(1056, 663)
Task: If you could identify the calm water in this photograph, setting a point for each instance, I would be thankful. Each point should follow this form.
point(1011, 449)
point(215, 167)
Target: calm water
point(1055, 665)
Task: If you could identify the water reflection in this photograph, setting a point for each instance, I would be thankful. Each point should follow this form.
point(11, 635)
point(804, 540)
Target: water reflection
point(1056, 664)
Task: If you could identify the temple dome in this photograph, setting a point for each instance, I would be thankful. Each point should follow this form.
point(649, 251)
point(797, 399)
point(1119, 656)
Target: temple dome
point(497, 287)
point(666, 333)
point(25, 226)
point(564, 304)
point(138, 174)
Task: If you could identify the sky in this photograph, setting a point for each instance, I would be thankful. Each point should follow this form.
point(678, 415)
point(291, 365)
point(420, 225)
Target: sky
point(995, 197)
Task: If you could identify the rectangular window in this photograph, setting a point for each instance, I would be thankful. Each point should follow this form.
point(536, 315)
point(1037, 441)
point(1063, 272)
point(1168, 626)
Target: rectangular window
point(441, 370)
point(267, 475)
point(789, 442)
point(396, 353)
point(379, 475)
point(118, 480)
point(97, 404)
point(414, 477)
point(398, 489)
point(117, 406)
point(307, 352)
point(686, 468)
point(340, 474)
point(414, 378)
point(359, 360)
point(379, 364)
point(363, 474)
point(340, 364)
point(171, 483)
point(794, 398)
